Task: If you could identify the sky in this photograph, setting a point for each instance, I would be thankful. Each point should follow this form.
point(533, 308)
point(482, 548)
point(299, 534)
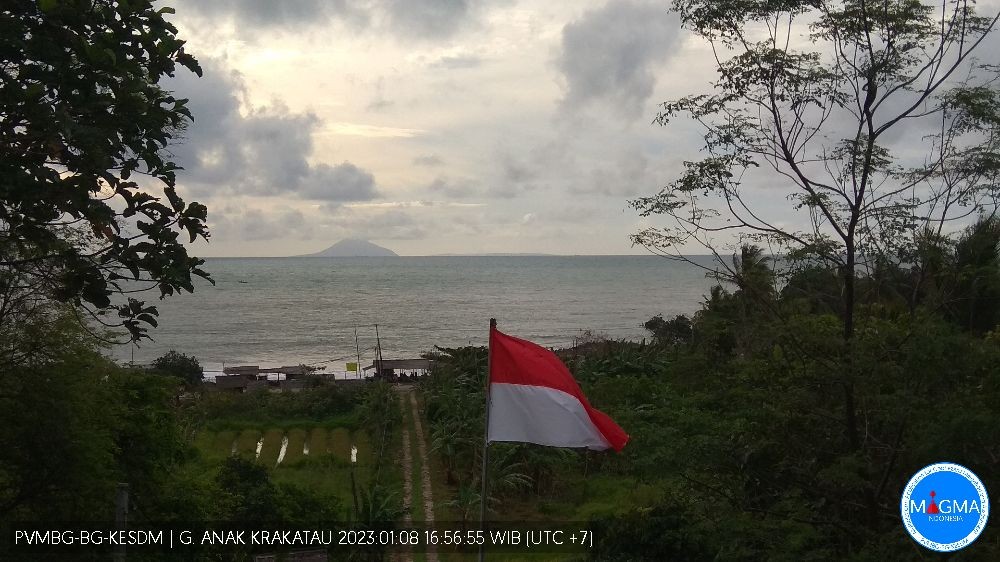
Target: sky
point(430, 127)
point(445, 126)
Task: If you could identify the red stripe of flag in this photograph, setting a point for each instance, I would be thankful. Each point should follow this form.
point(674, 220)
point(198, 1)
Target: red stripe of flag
point(514, 361)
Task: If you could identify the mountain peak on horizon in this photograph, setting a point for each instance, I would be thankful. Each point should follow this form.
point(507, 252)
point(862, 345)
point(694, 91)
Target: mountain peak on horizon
point(353, 248)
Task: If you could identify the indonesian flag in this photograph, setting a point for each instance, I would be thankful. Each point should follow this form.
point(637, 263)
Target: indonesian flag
point(534, 399)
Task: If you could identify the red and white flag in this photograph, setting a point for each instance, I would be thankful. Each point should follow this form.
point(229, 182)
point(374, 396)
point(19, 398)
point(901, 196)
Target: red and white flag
point(534, 399)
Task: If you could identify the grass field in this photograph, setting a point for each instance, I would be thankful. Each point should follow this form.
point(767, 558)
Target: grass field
point(325, 468)
point(317, 458)
point(246, 442)
point(318, 441)
point(338, 443)
point(296, 444)
point(271, 446)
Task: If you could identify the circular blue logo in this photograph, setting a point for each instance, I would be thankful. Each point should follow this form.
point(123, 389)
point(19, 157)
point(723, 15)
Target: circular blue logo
point(945, 507)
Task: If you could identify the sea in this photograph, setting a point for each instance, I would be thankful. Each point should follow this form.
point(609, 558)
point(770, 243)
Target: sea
point(321, 311)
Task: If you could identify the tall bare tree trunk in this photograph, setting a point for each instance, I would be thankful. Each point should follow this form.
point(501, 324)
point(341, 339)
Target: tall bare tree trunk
point(850, 417)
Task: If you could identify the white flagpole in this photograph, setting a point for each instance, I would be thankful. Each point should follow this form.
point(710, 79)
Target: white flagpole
point(486, 442)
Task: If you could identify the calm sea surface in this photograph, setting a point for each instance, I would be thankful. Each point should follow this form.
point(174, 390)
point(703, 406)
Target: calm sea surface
point(287, 311)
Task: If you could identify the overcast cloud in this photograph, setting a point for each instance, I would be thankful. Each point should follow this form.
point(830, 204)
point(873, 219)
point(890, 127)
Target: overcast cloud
point(430, 126)
point(435, 126)
point(233, 148)
point(251, 15)
point(610, 55)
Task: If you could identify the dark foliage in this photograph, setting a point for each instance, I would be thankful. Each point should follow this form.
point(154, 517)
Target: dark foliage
point(81, 113)
point(677, 330)
point(321, 402)
point(184, 367)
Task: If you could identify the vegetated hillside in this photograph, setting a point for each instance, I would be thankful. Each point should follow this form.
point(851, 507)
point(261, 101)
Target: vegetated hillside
point(741, 427)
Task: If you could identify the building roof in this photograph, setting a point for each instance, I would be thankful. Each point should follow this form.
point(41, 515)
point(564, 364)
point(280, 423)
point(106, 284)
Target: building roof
point(404, 364)
point(289, 370)
point(241, 370)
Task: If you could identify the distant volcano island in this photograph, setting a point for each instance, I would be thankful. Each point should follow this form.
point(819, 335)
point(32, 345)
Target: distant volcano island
point(353, 248)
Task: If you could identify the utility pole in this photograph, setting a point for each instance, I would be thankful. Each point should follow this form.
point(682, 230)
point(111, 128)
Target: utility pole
point(385, 423)
point(357, 346)
point(378, 352)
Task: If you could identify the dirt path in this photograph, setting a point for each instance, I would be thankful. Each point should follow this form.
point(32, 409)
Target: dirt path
point(407, 478)
point(425, 472)
point(407, 463)
point(406, 555)
point(410, 407)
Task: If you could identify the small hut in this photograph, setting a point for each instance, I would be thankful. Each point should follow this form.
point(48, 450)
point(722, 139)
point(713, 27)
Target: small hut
point(391, 369)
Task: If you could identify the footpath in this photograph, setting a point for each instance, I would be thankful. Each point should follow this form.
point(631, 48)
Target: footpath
point(416, 479)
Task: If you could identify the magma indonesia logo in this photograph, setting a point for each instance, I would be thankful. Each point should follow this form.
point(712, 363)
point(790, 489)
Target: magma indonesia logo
point(945, 507)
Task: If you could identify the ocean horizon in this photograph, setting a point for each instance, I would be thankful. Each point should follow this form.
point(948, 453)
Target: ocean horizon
point(274, 311)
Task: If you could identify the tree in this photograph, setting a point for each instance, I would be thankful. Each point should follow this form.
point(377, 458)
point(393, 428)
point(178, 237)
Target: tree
point(814, 94)
point(179, 365)
point(76, 424)
point(248, 494)
point(88, 205)
point(676, 331)
point(976, 302)
point(811, 101)
point(56, 454)
point(465, 503)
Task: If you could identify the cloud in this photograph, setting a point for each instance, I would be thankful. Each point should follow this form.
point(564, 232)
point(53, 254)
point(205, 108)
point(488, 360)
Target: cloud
point(610, 55)
point(343, 182)
point(575, 214)
point(457, 62)
point(428, 19)
point(428, 160)
point(455, 189)
point(411, 204)
point(379, 102)
point(627, 173)
point(287, 14)
point(261, 151)
point(408, 19)
point(517, 175)
point(364, 130)
point(441, 133)
point(238, 223)
point(375, 223)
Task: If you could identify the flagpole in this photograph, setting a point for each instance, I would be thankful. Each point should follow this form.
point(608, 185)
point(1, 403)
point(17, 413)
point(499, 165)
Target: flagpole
point(486, 442)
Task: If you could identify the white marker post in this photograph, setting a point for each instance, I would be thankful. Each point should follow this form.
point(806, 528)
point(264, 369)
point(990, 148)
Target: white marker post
point(354, 489)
